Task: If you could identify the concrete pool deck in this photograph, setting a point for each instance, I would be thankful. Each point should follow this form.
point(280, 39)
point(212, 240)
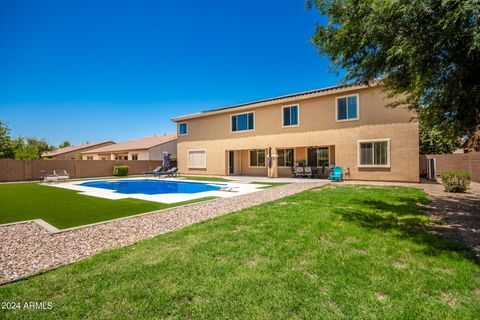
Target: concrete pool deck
point(239, 188)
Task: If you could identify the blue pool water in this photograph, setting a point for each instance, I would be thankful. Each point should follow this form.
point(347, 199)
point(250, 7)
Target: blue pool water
point(147, 186)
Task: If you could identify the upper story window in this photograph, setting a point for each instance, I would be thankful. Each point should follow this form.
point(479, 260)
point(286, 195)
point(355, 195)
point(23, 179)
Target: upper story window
point(243, 122)
point(290, 116)
point(375, 153)
point(347, 108)
point(182, 128)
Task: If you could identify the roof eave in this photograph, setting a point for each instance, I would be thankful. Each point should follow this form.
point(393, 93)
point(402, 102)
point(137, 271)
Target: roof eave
point(127, 149)
point(79, 149)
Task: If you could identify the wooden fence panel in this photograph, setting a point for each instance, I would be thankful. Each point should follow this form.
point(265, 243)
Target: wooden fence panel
point(30, 170)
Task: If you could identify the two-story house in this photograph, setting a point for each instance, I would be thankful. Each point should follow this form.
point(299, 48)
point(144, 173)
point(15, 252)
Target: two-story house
point(350, 126)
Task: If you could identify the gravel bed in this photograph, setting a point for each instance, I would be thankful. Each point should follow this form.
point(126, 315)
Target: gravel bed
point(27, 248)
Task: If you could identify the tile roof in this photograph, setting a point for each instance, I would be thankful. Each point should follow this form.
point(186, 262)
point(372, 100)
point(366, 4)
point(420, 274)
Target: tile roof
point(60, 151)
point(285, 98)
point(138, 144)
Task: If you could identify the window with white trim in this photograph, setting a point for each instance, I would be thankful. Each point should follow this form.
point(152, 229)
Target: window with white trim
point(243, 122)
point(135, 156)
point(257, 158)
point(347, 108)
point(182, 128)
point(290, 116)
point(197, 159)
point(285, 157)
point(374, 153)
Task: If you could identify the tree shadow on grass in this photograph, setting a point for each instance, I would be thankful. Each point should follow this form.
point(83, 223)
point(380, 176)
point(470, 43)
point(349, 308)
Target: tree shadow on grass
point(406, 220)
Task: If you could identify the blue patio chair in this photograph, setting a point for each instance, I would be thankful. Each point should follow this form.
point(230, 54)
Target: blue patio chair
point(336, 174)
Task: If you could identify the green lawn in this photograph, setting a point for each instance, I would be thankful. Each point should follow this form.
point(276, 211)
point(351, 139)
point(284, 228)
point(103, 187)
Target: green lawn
point(335, 252)
point(64, 208)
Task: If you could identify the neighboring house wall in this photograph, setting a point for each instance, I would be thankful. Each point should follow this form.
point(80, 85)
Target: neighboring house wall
point(156, 153)
point(141, 154)
point(317, 127)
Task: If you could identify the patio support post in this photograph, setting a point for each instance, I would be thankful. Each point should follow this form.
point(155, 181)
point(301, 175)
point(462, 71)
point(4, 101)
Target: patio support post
point(273, 171)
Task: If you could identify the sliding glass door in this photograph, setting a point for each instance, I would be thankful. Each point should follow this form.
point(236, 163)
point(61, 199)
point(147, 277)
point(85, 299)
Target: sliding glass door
point(318, 157)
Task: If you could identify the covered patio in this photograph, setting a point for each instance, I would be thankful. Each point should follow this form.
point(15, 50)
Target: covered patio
point(284, 162)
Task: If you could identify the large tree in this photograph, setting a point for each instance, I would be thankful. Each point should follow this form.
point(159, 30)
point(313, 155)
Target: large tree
point(425, 51)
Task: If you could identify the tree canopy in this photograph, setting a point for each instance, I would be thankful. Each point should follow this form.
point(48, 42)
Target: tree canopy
point(64, 144)
point(21, 147)
point(425, 51)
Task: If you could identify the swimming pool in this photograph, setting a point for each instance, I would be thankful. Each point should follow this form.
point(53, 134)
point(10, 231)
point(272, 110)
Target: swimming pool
point(151, 187)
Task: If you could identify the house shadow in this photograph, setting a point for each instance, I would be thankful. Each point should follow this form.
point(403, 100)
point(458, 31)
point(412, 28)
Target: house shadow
point(410, 221)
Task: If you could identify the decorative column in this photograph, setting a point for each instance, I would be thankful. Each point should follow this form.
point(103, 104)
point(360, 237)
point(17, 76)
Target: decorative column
point(272, 158)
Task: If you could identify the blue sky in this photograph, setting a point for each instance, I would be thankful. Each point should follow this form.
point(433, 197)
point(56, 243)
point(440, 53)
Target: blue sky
point(116, 70)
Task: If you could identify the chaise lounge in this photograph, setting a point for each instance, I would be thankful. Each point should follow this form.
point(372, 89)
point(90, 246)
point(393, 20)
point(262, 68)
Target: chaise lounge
point(154, 171)
point(172, 172)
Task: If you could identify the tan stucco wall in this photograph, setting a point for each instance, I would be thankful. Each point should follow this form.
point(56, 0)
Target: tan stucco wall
point(315, 114)
point(318, 127)
point(156, 153)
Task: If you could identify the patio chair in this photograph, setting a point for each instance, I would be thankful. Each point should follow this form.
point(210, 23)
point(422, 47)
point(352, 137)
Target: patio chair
point(157, 169)
point(336, 174)
point(298, 172)
point(62, 175)
point(308, 172)
point(49, 178)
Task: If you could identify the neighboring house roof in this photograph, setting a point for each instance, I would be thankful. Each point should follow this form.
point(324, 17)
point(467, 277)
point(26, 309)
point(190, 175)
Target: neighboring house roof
point(80, 147)
point(280, 99)
point(138, 144)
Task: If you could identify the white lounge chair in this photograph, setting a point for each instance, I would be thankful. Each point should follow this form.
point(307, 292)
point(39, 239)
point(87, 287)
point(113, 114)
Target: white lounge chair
point(62, 175)
point(229, 189)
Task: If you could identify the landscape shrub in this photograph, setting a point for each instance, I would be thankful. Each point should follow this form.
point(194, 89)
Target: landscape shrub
point(456, 181)
point(120, 170)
